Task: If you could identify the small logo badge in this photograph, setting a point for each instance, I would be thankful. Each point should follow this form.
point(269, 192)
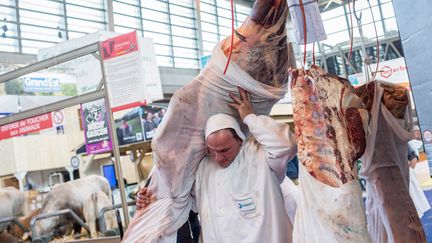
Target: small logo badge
point(246, 205)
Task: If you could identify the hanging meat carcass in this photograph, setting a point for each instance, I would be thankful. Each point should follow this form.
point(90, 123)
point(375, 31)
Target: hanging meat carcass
point(391, 213)
point(330, 127)
point(259, 64)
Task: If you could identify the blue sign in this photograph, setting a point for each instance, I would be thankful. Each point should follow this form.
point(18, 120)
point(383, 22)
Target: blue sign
point(40, 84)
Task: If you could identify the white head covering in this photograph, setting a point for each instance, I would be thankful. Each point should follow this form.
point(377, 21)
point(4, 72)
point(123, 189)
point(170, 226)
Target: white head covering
point(222, 121)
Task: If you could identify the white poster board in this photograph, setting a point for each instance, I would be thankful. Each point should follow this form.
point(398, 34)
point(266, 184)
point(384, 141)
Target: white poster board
point(132, 76)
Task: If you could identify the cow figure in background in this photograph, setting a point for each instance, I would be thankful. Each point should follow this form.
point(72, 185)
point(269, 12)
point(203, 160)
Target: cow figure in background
point(92, 207)
point(12, 203)
point(70, 195)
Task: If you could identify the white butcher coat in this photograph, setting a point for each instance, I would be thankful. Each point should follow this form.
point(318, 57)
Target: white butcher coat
point(244, 202)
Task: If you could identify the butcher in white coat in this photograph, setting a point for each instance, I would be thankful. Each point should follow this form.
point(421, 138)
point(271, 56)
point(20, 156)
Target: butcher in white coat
point(237, 185)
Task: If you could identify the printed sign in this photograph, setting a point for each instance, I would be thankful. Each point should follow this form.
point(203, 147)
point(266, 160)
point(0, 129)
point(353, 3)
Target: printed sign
point(96, 127)
point(75, 161)
point(58, 117)
point(314, 25)
point(392, 71)
point(120, 45)
point(131, 72)
point(32, 124)
point(129, 127)
point(86, 70)
point(41, 84)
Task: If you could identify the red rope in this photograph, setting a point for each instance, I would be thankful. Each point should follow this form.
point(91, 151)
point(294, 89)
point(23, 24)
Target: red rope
point(377, 42)
point(352, 31)
point(232, 37)
point(304, 30)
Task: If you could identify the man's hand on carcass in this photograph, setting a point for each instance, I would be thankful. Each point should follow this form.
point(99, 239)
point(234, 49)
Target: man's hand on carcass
point(242, 104)
point(144, 198)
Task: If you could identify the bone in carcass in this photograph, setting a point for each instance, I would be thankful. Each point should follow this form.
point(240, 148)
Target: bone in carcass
point(330, 125)
point(259, 64)
point(391, 213)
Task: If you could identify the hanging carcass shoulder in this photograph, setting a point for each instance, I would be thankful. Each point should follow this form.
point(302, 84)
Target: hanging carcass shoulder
point(395, 98)
point(261, 45)
point(259, 64)
point(260, 50)
point(330, 125)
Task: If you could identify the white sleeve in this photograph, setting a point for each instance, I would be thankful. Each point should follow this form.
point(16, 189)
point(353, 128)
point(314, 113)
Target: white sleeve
point(277, 140)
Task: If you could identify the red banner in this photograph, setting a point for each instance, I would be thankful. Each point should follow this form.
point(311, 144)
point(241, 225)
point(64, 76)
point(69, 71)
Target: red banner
point(120, 45)
point(32, 124)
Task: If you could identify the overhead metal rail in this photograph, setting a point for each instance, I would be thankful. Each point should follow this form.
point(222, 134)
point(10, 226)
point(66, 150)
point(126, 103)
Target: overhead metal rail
point(58, 105)
point(50, 62)
point(68, 56)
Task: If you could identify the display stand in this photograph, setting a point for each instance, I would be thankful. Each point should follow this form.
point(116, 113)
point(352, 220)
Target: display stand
point(76, 100)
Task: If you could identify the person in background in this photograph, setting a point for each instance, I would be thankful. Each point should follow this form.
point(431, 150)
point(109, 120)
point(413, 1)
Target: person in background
point(149, 125)
point(156, 118)
point(413, 156)
point(162, 112)
point(293, 169)
point(416, 192)
point(120, 137)
point(416, 143)
point(126, 129)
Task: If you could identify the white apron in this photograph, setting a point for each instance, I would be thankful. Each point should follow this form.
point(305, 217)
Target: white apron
point(244, 202)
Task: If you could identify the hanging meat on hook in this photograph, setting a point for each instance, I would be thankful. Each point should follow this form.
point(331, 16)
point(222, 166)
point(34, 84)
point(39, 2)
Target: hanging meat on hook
point(391, 213)
point(330, 123)
point(259, 64)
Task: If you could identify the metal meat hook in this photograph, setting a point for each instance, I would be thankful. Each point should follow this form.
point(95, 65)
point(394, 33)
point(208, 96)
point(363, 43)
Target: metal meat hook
point(358, 17)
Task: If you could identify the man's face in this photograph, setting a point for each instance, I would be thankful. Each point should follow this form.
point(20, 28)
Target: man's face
point(223, 147)
point(417, 134)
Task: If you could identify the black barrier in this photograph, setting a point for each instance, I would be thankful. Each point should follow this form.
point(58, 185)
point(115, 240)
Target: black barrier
point(102, 225)
point(53, 214)
point(14, 221)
